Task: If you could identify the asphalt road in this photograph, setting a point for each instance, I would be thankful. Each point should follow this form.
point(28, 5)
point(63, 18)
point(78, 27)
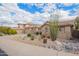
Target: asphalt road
point(15, 48)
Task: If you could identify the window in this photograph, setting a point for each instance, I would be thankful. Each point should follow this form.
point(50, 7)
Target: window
point(46, 29)
point(62, 29)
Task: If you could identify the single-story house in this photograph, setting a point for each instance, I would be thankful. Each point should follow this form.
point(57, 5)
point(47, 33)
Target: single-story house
point(65, 28)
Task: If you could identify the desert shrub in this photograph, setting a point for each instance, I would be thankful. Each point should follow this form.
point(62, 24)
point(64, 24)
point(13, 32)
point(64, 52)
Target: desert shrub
point(37, 33)
point(12, 31)
point(48, 37)
point(40, 33)
point(7, 30)
point(29, 35)
point(44, 41)
point(1, 34)
point(32, 38)
point(76, 23)
point(43, 36)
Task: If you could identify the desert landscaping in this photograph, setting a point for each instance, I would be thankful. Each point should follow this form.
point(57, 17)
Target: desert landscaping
point(13, 47)
point(65, 44)
point(30, 30)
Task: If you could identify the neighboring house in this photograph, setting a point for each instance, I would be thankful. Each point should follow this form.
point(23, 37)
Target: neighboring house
point(27, 28)
point(65, 28)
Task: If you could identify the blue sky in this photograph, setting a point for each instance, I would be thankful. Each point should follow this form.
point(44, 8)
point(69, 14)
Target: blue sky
point(14, 13)
point(29, 8)
point(33, 8)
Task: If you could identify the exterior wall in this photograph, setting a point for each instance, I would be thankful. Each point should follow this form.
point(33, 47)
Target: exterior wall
point(45, 30)
point(68, 32)
point(27, 28)
point(64, 32)
point(20, 26)
point(19, 31)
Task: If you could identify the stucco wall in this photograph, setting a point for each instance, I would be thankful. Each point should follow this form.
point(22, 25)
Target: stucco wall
point(64, 33)
point(19, 31)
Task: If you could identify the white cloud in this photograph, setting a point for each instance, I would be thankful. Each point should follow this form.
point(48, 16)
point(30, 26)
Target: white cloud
point(65, 16)
point(68, 4)
point(20, 17)
point(40, 5)
point(25, 17)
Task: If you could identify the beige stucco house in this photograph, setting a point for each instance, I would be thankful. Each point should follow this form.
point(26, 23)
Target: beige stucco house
point(65, 28)
point(27, 28)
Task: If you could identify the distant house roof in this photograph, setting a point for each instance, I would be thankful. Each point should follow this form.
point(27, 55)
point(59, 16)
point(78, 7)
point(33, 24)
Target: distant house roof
point(62, 23)
point(29, 25)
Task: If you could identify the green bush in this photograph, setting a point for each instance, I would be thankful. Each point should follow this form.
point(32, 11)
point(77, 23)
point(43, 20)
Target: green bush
point(40, 33)
point(76, 23)
point(12, 31)
point(29, 35)
point(1, 35)
point(32, 37)
point(7, 30)
point(37, 33)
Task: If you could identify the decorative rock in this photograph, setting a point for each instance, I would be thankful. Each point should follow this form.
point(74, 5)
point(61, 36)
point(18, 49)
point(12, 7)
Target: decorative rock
point(58, 45)
point(2, 53)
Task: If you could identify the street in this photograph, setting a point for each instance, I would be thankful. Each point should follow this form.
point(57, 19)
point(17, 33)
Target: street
point(16, 48)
